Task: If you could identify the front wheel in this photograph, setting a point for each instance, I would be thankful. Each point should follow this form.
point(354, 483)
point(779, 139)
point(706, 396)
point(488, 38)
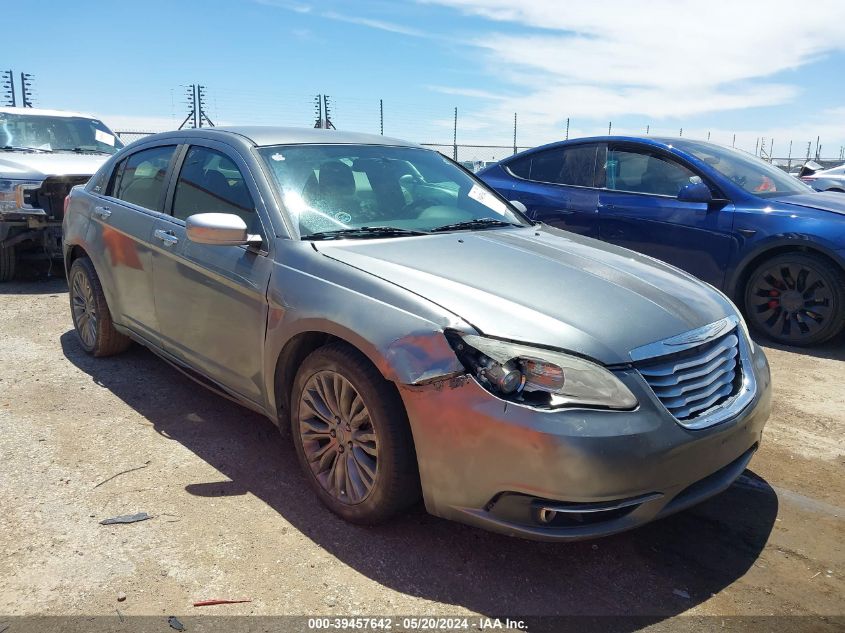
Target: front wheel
point(796, 299)
point(352, 436)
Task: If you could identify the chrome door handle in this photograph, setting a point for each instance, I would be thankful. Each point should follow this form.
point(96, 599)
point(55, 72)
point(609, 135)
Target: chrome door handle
point(103, 212)
point(168, 237)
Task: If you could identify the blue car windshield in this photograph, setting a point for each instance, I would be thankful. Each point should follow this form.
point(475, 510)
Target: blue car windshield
point(749, 172)
point(332, 188)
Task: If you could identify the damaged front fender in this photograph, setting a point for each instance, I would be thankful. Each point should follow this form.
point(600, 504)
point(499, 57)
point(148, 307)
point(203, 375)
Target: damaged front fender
point(421, 358)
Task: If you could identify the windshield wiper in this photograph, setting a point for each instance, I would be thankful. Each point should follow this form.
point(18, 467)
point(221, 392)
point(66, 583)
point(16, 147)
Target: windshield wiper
point(80, 150)
point(478, 223)
point(362, 232)
point(18, 148)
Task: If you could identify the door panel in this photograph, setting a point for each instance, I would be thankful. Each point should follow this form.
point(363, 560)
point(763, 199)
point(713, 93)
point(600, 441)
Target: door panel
point(687, 235)
point(123, 225)
point(557, 186)
point(211, 300)
point(695, 237)
point(570, 208)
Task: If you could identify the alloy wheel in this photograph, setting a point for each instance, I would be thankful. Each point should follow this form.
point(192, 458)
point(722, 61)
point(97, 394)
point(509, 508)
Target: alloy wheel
point(84, 309)
point(338, 437)
point(790, 301)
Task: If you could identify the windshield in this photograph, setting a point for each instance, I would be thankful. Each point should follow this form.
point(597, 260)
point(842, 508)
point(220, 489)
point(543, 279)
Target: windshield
point(329, 188)
point(56, 133)
point(749, 172)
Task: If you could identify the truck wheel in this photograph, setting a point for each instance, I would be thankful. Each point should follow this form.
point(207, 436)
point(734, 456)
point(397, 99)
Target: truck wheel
point(796, 299)
point(91, 316)
point(7, 263)
point(352, 436)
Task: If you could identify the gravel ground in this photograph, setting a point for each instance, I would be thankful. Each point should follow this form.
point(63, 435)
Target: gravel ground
point(232, 517)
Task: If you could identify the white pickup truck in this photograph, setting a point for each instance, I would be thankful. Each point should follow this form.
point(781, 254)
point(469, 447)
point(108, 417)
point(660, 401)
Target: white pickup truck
point(43, 154)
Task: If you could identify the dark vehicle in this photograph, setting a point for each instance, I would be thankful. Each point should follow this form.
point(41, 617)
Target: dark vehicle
point(771, 243)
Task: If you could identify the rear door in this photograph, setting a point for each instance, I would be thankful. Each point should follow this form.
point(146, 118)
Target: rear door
point(557, 186)
point(211, 300)
point(639, 209)
point(122, 226)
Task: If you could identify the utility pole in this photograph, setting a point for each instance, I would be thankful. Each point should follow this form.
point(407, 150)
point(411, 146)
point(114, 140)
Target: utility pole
point(26, 90)
point(757, 147)
point(381, 116)
point(329, 124)
point(681, 132)
point(708, 135)
point(191, 96)
point(809, 145)
point(455, 137)
point(818, 138)
point(8, 83)
point(567, 128)
point(647, 128)
point(514, 132)
point(609, 127)
point(318, 111)
point(733, 142)
point(789, 158)
point(200, 107)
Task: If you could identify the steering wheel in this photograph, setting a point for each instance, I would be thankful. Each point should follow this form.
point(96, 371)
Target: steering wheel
point(420, 204)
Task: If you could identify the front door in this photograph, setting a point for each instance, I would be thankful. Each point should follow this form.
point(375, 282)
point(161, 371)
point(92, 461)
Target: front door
point(639, 209)
point(211, 301)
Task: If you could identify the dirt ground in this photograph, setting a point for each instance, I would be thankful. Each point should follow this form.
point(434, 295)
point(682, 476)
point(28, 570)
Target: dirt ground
point(233, 518)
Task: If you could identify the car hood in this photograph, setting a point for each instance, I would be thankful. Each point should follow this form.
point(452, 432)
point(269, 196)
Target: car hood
point(822, 200)
point(543, 286)
point(23, 166)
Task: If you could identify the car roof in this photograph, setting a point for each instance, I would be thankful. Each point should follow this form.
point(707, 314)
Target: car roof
point(42, 112)
point(262, 135)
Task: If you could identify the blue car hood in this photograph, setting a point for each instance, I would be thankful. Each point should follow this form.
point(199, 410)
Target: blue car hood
point(543, 286)
point(823, 200)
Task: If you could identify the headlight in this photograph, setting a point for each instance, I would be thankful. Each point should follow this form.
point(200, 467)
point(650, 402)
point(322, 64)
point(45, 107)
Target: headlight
point(13, 192)
point(540, 377)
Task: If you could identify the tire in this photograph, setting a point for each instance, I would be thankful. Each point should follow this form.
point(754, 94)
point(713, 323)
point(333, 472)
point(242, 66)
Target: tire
point(372, 421)
point(91, 317)
point(7, 263)
point(796, 299)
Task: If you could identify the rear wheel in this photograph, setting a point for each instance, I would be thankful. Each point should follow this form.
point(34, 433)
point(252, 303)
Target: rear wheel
point(91, 316)
point(796, 299)
point(7, 263)
point(352, 436)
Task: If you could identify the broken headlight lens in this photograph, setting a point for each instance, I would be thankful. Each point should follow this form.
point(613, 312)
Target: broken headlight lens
point(539, 376)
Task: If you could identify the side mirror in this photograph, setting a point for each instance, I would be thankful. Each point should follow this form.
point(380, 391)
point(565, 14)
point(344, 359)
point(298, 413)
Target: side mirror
point(516, 204)
point(222, 229)
point(697, 192)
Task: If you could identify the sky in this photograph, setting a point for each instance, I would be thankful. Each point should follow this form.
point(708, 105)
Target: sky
point(744, 72)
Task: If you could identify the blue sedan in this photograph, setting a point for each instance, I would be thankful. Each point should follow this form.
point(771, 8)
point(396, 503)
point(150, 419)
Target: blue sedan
point(767, 240)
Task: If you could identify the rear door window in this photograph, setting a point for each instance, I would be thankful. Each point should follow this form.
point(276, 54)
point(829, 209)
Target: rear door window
point(570, 165)
point(211, 182)
point(140, 179)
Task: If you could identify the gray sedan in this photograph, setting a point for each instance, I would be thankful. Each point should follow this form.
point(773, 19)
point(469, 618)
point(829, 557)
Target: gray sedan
point(417, 333)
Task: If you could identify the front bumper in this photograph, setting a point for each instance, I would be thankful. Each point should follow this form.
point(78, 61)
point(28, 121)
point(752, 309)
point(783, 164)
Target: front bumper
point(501, 466)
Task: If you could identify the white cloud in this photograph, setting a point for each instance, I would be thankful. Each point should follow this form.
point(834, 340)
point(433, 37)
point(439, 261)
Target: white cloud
point(662, 59)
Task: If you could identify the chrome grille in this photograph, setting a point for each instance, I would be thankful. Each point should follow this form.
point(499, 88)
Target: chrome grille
point(692, 382)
